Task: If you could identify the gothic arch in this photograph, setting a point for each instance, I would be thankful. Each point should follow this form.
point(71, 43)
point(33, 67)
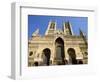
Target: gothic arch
point(72, 55)
point(59, 48)
point(46, 56)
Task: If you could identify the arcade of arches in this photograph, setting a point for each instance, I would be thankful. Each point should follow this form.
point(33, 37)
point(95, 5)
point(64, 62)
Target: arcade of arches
point(59, 58)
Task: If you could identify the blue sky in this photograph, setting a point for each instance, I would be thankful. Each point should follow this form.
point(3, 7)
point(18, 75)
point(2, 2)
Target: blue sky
point(42, 21)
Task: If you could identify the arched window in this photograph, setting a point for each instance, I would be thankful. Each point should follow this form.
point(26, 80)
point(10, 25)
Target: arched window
point(52, 26)
point(31, 53)
point(86, 53)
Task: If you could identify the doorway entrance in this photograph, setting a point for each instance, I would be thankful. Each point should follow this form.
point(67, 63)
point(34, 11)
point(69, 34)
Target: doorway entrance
point(46, 59)
point(59, 44)
point(72, 56)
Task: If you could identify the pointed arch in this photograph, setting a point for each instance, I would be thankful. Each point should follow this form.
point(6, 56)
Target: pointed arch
point(47, 54)
point(60, 55)
point(72, 55)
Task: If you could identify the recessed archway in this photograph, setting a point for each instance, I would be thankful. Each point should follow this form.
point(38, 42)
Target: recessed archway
point(59, 44)
point(46, 53)
point(36, 63)
point(72, 56)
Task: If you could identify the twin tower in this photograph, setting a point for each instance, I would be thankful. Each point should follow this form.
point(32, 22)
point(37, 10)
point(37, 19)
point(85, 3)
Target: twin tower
point(52, 29)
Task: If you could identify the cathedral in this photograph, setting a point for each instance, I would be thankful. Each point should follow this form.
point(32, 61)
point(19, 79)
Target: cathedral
point(57, 47)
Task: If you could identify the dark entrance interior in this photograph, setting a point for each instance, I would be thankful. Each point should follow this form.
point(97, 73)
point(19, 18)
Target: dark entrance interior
point(59, 43)
point(72, 56)
point(36, 63)
point(47, 54)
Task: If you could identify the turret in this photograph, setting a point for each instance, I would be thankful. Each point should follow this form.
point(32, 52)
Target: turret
point(83, 36)
point(36, 33)
point(67, 28)
point(51, 28)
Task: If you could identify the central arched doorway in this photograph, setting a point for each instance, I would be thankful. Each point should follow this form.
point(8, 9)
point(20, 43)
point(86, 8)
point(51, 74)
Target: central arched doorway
point(59, 44)
point(72, 56)
point(46, 59)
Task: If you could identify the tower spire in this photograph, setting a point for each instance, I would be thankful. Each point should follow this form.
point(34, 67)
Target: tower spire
point(83, 36)
point(36, 33)
point(68, 28)
point(51, 28)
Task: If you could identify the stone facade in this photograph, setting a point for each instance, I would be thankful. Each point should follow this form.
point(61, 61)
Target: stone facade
point(57, 47)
